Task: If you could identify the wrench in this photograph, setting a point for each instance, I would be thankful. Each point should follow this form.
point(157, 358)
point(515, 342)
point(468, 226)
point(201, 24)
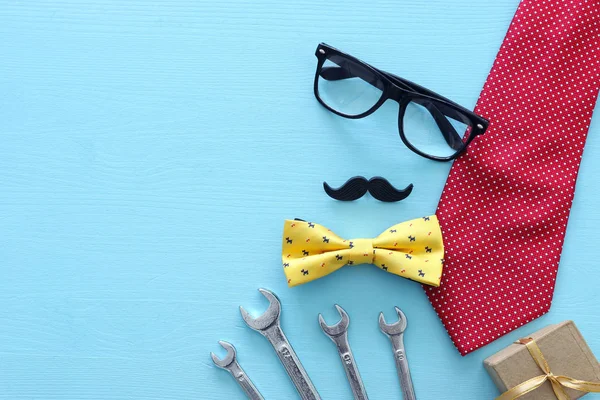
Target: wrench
point(395, 332)
point(230, 364)
point(338, 333)
point(268, 326)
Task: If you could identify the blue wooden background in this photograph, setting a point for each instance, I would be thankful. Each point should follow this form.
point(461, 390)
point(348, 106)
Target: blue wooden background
point(150, 151)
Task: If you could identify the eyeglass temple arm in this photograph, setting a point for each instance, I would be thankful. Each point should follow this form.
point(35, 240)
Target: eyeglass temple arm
point(339, 73)
point(420, 89)
point(449, 112)
point(450, 135)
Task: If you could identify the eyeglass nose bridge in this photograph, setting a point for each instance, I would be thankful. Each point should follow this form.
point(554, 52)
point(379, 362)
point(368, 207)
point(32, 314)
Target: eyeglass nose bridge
point(397, 93)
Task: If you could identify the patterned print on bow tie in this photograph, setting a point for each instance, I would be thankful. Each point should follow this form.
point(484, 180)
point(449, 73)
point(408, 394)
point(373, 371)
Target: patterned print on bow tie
point(412, 249)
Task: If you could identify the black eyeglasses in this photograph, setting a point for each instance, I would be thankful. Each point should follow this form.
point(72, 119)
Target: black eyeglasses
point(429, 124)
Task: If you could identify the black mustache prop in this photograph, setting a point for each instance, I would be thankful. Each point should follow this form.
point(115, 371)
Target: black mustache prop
point(356, 187)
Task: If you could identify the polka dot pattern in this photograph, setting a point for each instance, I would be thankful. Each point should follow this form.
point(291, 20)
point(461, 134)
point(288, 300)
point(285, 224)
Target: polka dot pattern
point(506, 203)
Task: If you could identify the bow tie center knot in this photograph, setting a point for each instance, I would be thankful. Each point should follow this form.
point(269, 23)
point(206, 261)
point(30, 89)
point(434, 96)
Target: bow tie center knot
point(361, 251)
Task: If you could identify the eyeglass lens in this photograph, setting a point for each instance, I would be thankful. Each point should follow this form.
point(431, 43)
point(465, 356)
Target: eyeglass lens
point(348, 87)
point(441, 138)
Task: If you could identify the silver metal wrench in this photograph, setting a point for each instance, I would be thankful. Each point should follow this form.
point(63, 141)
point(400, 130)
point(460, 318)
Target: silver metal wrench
point(395, 332)
point(338, 333)
point(230, 364)
point(268, 326)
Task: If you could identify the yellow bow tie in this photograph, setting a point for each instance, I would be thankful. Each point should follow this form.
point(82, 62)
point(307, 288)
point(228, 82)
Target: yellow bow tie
point(412, 249)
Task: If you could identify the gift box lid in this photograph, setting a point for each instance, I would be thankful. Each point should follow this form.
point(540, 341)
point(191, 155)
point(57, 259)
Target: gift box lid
point(563, 347)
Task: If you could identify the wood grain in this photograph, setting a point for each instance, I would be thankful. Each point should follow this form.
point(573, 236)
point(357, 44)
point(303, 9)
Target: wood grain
point(149, 153)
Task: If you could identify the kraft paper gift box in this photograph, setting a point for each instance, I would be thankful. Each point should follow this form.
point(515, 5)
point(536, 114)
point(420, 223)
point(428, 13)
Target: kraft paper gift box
point(566, 352)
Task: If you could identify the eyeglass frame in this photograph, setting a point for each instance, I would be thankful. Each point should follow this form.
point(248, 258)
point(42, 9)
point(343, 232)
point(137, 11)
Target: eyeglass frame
point(403, 96)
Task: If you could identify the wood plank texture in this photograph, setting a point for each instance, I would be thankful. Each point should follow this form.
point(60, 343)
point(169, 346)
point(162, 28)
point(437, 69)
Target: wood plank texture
point(149, 152)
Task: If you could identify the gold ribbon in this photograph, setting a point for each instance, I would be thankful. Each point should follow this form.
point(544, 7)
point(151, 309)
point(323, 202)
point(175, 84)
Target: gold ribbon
point(558, 382)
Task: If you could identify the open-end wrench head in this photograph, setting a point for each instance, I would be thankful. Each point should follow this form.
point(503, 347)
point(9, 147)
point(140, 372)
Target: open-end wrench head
point(268, 318)
point(397, 327)
point(229, 358)
point(338, 329)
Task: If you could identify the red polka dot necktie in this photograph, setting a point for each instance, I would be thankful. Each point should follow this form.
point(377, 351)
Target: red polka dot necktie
point(506, 202)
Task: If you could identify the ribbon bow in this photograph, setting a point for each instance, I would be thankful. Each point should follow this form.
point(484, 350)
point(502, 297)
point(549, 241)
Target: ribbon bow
point(558, 382)
point(412, 249)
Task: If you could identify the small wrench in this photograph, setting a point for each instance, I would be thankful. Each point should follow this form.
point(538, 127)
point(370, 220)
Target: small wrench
point(230, 364)
point(338, 333)
point(395, 332)
point(268, 326)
